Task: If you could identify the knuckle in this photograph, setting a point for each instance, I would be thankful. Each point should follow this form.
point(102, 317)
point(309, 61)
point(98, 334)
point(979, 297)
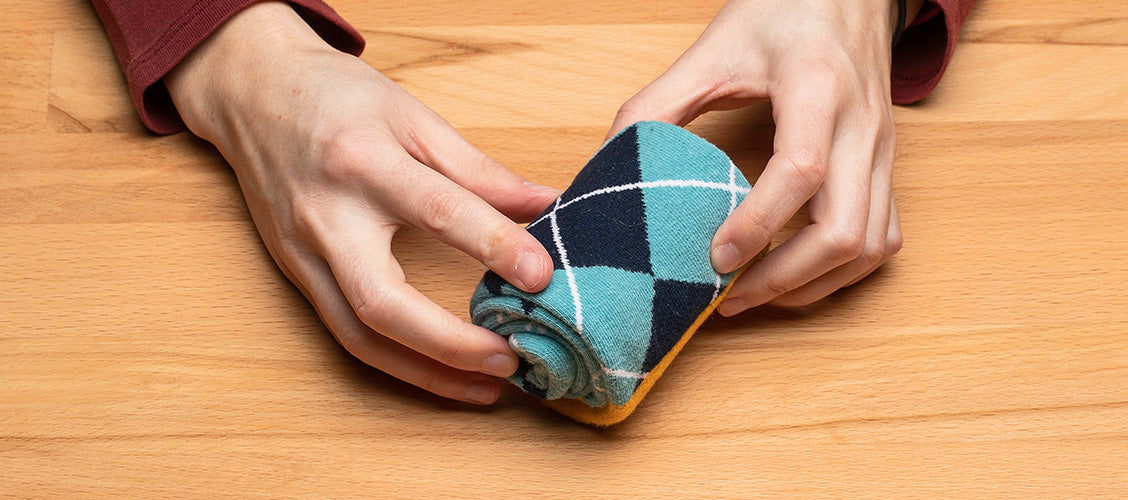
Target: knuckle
point(488, 168)
point(623, 120)
point(750, 234)
point(344, 157)
point(451, 354)
point(893, 244)
point(760, 234)
point(809, 167)
point(628, 110)
point(429, 381)
point(372, 305)
point(289, 244)
point(632, 110)
point(283, 238)
point(349, 339)
point(846, 242)
point(289, 252)
point(439, 211)
point(776, 289)
point(497, 237)
point(503, 243)
point(305, 217)
point(874, 254)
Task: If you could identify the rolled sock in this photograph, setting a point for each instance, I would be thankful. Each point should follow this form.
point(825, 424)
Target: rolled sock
point(632, 279)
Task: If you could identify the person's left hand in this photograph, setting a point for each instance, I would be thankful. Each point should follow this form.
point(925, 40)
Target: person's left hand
point(825, 67)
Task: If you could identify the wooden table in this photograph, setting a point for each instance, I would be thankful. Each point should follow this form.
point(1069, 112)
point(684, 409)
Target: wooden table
point(149, 347)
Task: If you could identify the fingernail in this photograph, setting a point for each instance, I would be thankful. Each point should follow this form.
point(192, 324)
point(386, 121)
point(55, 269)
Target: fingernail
point(541, 187)
point(529, 271)
point(730, 307)
point(500, 365)
point(725, 258)
point(482, 392)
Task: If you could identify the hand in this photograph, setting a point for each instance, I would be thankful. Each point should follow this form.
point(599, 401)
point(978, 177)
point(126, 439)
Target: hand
point(825, 67)
point(333, 158)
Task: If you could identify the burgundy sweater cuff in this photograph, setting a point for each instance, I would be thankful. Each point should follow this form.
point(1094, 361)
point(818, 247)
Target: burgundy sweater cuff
point(925, 49)
point(149, 40)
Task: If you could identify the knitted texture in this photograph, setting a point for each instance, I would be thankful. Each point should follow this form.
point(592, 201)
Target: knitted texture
point(632, 280)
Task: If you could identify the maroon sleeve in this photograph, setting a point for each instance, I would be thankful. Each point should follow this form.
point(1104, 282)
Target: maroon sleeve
point(922, 55)
point(151, 37)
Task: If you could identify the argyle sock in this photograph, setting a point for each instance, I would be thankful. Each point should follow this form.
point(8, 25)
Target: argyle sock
point(632, 280)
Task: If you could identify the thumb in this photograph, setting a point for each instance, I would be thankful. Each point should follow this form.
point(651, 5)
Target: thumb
point(677, 96)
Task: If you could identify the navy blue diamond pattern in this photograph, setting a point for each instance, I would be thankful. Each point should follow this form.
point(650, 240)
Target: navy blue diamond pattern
point(674, 310)
point(618, 166)
point(600, 221)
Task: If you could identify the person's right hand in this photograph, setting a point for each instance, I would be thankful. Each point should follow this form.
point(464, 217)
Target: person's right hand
point(825, 67)
point(333, 158)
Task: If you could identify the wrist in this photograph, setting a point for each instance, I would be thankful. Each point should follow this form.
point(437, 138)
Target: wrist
point(246, 50)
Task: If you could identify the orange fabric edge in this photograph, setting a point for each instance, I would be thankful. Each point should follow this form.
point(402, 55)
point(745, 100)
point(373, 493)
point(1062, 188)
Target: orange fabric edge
point(612, 414)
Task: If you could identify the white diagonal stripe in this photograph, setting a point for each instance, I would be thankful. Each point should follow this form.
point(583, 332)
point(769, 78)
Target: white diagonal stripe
point(731, 187)
point(614, 372)
point(567, 267)
point(732, 207)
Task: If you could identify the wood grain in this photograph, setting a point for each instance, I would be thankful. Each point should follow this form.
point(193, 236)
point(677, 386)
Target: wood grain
point(151, 348)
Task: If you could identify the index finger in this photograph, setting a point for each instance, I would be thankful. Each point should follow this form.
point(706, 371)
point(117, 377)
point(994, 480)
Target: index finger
point(805, 123)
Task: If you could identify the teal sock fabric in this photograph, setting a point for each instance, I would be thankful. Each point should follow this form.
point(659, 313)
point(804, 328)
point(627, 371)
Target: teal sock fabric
point(629, 241)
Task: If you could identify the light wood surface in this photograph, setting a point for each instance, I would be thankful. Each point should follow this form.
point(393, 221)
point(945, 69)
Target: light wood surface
point(149, 347)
